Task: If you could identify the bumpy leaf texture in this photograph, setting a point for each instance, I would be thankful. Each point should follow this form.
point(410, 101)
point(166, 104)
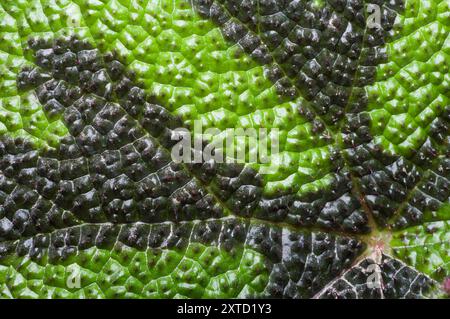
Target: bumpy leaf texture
point(91, 91)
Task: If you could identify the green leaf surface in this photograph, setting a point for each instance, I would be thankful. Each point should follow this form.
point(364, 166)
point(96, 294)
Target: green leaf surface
point(91, 92)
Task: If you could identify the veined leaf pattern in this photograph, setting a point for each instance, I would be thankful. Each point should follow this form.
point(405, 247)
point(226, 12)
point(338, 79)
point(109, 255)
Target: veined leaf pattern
point(92, 91)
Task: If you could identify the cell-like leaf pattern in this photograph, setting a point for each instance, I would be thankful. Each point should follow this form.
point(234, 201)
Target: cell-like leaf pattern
point(93, 206)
